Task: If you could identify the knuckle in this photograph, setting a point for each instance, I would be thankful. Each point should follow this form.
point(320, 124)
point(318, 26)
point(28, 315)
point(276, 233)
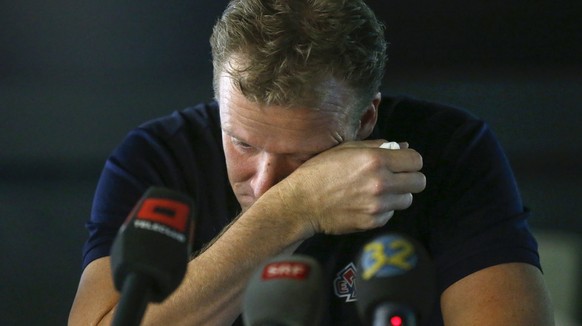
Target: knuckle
point(378, 186)
point(374, 163)
point(375, 208)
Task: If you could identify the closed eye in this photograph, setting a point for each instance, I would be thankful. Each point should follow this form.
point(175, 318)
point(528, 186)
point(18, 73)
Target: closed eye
point(238, 143)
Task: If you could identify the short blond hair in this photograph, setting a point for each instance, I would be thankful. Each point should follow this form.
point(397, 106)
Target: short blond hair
point(285, 49)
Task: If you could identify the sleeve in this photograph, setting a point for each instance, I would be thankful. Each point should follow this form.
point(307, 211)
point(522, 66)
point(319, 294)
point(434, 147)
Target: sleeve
point(480, 220)
point(142, 160)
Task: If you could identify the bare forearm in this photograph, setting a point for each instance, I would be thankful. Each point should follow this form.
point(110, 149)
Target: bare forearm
point(214, 283)
point(311, 200)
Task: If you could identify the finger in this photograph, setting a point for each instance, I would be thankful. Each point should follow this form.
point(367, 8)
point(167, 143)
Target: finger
point(413, 182)
point(403, 160)
point(372, 143)
point(399, 183)
point(401, 201)
point(382, 219)
point(390, 202)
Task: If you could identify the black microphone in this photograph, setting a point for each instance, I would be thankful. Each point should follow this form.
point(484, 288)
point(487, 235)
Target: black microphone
point(396, 282)
point(285, 291)
point(151, 251)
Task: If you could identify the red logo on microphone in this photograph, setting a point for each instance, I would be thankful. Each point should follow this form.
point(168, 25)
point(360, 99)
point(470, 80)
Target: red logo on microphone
point(166, 212)
point(290, 270)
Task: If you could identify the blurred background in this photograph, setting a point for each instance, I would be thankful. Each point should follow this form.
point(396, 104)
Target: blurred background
point(76, 76)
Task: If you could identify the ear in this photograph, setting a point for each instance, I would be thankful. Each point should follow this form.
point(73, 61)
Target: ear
point(368, 118)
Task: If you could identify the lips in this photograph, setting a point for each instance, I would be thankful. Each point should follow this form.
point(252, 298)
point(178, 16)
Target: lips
point(245, 200)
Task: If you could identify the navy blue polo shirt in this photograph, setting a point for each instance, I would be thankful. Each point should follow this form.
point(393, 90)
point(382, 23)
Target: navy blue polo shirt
point(469, 217)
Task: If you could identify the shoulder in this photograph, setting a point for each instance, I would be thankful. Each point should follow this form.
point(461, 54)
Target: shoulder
point(178, 132)
point(180, 151)
point(181, 133)
point(440, 132)
point(203, 117)
point(413, 117)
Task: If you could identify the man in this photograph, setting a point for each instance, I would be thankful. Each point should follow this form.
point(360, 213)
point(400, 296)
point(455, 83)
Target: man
point(288, 160)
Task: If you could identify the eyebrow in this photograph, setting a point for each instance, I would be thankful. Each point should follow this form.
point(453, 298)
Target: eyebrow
point(337, 137)
point(228, 132)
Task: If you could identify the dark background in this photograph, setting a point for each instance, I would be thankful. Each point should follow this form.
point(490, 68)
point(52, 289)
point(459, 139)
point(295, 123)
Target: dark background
point(76, 76)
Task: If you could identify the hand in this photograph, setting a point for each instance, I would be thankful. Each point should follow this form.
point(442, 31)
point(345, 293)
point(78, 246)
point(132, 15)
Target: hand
point(352, 187)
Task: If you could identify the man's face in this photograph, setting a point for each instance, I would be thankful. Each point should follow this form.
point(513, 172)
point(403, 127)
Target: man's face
point(264, 144)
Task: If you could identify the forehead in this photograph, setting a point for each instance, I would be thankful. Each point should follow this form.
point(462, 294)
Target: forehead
point(281, 128)
point(329, 95)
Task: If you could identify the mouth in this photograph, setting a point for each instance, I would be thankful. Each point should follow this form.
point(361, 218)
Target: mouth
point(245, 200)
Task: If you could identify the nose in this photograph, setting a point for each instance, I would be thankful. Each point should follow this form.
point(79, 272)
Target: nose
point(270, 170)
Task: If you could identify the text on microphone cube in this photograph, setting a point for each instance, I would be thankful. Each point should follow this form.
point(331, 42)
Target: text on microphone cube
point(289, 270)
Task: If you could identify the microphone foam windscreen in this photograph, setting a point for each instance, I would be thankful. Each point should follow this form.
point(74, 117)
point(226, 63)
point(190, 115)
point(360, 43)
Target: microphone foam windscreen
point(155, 241)
point(287, 290)
point(395, 269)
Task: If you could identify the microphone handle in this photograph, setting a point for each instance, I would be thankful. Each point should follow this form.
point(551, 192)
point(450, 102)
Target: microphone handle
point(385, 312)
point(135, 296)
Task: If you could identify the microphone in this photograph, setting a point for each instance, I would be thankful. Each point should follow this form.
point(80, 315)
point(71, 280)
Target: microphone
point(396, 282)
point(150, 253)
point(285, 291)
